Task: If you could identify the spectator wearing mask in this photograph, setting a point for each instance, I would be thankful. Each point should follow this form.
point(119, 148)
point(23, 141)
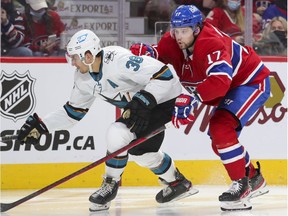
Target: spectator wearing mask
point(228, 17)
point(12, 31)
point(44, 27)
point(274, 39)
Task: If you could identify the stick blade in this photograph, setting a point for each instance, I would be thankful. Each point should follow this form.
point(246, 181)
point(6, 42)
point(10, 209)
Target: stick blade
point(6, 206)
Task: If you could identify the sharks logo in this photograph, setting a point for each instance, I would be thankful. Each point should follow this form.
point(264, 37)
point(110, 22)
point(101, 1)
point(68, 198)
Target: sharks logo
point(109, 56)
point(17, 95)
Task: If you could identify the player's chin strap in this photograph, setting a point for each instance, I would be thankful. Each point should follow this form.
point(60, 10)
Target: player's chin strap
point(90, 65)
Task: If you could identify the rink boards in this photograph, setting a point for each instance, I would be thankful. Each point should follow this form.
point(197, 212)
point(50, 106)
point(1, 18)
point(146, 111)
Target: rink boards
point(31, 86)
point(209, 172)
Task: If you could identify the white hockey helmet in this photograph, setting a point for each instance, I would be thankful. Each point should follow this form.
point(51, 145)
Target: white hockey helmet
point(83, 41)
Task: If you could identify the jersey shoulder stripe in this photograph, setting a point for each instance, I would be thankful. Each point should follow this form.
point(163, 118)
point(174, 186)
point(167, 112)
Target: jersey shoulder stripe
point(163, 74)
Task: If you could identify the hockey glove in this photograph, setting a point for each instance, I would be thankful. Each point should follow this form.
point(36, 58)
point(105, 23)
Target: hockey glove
point(183, 110)
point(139, 49)
point(137, 112)
point(32, 130)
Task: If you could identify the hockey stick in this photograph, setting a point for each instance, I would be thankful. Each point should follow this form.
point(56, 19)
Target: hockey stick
point(6, 206)
point(8, 138)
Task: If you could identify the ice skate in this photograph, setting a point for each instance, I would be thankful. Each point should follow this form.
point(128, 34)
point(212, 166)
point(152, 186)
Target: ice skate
point(237, 197)
point(176, 190)
point(101, 199)
point(258, 184)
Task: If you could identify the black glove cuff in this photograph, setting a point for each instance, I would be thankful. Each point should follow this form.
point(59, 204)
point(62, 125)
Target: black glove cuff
point(39, 125)
point(146, 99)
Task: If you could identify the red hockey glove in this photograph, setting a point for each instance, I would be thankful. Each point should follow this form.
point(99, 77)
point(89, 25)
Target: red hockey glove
point(32, 130)
point(183, 110)
point(139, 49)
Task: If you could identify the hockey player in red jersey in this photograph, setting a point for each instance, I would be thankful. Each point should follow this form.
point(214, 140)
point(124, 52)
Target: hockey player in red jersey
point(216, 71)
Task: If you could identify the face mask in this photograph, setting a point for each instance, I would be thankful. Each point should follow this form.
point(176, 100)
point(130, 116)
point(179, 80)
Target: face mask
point(281, 35)
point(37, 15)
point(233, 5)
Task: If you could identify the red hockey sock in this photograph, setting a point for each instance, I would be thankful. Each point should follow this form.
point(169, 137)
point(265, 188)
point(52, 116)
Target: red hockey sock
point(226, 145)
point(252, 170)
point(235, 170)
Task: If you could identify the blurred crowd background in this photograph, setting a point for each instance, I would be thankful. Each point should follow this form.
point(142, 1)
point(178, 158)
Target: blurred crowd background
point(43, 27)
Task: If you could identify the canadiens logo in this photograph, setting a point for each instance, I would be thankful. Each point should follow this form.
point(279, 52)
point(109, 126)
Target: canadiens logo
point(17, 95)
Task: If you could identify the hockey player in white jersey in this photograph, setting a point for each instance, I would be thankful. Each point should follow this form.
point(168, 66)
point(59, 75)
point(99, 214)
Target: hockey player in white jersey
point(141, 84)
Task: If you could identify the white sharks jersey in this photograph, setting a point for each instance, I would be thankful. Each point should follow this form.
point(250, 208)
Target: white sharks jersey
point(121, 75)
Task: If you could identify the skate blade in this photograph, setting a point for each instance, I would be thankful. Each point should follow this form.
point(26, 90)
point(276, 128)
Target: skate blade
point(99, 213)
point(259, 192)
point(191, 192)
point(99, 207)
point(236, 205)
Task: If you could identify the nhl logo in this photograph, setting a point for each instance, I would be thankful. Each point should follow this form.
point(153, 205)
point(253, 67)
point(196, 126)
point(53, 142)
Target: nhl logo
point(17, 95)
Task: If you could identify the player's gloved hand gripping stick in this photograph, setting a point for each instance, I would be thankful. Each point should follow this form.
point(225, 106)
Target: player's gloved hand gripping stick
point(137, 112)
point(30, 132)
point(183, 109)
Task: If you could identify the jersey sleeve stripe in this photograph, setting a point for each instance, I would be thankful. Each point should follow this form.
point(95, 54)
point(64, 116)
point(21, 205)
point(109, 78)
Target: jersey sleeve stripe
point(75, 113)
point(220, 68)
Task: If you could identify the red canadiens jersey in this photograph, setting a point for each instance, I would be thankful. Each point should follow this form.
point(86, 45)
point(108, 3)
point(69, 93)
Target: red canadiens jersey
point(221, 19)
point(40, 34)
point(216, 65)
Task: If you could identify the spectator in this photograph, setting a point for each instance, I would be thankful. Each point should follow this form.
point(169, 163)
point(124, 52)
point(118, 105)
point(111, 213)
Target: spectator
point(204, 6)
point(208, 5)
point(257, 27)
point(228, 17)
point(279, 8)
point(261, 6)
point(42, 23)
point(12, 31)
point(274, 39)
